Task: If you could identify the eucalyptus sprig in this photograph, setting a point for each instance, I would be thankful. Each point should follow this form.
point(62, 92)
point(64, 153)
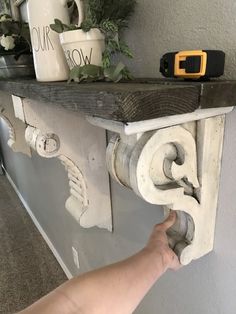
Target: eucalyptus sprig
point(60, 27)
point(91, 73)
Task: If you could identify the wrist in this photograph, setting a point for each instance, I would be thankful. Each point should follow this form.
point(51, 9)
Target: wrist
point(159, 258)
point(161, 255)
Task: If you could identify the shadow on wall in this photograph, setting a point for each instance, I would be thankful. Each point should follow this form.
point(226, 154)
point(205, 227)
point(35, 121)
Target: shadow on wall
point(172, 25)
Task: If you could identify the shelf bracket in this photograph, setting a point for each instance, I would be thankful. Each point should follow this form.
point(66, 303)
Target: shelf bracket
point(48, 146)
point(177, 167)
point(55, 133)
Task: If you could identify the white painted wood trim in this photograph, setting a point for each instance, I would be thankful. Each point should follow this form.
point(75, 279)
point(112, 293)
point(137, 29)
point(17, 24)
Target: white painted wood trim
point(16, 127)
point(40, 229)
point(159, 123)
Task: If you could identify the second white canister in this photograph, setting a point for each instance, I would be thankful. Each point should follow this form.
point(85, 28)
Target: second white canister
point(83, 48)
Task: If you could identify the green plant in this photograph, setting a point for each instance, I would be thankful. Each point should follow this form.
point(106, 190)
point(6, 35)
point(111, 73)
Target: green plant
point(91, 72)
point(14, 36)
point(111, 17)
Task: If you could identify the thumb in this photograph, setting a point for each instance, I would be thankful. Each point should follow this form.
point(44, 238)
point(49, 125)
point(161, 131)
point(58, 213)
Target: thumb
point(169, 221)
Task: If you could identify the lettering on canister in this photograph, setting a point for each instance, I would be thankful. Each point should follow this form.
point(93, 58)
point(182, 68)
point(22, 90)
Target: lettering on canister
point(77, 57)
point(41, 40)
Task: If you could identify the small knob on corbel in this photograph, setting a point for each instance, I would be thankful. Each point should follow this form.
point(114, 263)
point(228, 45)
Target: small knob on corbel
point(180, 235)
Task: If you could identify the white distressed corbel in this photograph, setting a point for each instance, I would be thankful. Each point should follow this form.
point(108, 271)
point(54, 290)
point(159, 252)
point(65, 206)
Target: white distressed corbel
point(56, 133)
point(176, 166)
point(48, 146)
point(78, 205)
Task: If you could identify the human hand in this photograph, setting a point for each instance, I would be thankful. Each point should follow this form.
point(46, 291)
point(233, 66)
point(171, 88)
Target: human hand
point(158, 242)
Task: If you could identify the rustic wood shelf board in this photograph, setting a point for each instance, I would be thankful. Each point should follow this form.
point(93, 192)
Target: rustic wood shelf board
point(128, 102)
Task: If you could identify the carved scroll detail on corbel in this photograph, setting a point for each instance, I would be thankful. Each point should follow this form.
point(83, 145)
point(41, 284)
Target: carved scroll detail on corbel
point(48, 146)
point(77, 204)
point(145, 160)
point(177, 167)
point(12, 137)
point(150, 164)
point(16, 128)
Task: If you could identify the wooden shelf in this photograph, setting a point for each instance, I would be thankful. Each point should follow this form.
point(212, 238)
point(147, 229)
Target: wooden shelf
point(139, 100)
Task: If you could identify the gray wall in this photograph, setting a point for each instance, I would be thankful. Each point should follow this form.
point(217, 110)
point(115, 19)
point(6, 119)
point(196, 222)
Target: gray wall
point(161, 26)
point(205, 286)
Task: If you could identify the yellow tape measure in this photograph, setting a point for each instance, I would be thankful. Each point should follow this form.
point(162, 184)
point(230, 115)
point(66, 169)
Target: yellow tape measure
point(193, 64)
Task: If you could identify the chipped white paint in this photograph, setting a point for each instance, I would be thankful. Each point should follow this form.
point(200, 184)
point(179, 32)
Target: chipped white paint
point(16, 127)
point(81, 147)
point(18, 108)
point(177, 167)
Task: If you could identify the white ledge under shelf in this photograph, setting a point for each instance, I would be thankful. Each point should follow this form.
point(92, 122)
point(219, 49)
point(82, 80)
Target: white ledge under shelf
point(130, 128)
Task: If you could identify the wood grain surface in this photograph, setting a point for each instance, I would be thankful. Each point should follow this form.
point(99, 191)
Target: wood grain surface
point(128, 102)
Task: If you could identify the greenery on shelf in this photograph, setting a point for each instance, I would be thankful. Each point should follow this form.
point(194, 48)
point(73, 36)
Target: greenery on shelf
point(91, 72)
point(111, 17)
point(14, 36)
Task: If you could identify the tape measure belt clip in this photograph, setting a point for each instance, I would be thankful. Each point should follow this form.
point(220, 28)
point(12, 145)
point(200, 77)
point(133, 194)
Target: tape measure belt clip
point(190, 63)
point(193, 64)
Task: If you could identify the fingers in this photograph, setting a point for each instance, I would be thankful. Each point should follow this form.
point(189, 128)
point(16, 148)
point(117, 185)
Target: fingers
point(169, 221)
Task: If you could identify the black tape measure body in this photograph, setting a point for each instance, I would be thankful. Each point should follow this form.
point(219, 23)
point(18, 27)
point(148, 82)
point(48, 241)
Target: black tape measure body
point(194, 64)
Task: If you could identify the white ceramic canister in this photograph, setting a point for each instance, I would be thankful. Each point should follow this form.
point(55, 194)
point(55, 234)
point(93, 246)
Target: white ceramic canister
point(83, 48)
point(49, 60)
